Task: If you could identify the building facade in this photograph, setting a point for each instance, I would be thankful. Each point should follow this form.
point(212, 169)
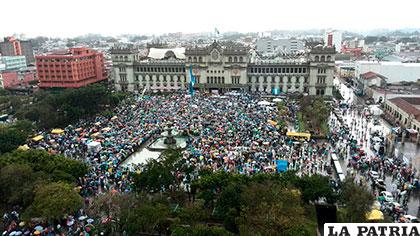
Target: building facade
point(283, 46)
point(16, 79)
point(13, 62)
point(14, 47)
point(220, 68)
point(73, 68)
point(404, 111)
point(333, 38)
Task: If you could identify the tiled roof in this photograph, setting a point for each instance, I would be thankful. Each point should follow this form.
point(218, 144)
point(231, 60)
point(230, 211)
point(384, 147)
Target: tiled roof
point(371, 75)
point(407, 104)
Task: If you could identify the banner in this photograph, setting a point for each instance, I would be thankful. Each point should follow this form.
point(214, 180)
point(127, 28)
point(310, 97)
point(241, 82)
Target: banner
point(281, 165)
point(275, 91)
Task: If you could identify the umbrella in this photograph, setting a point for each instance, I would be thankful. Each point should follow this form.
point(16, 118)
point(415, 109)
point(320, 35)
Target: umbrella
point(277, 100)
point(376, 139)
point(37, 232)
point(375, 215)
point(81, 218)
point(90, 221)
point(264, 103)
point(39, 228)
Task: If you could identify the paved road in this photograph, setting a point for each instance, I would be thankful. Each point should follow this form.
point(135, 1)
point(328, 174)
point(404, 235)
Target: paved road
point(409, 150)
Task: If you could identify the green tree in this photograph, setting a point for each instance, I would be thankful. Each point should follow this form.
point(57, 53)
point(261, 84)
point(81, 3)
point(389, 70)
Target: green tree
point(53, 201)
point(194, 213)
point(229, 205)
point(356, 202)
point(24, 126)
point(113, 206)
point(40, 160)
point(148, 218)
point(315, 187)
point(201, 230)
point(10, 139)
point(18, 183)
point(155, 177)
point(270, 209)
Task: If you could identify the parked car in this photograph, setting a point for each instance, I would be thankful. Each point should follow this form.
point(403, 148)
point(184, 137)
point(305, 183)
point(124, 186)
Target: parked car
point(380, 184)
point(409, 219)
point(374, 175)
point(387, 196)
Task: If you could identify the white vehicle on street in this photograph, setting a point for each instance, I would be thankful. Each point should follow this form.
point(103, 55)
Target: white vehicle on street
point(374, 175)
point(388, 196)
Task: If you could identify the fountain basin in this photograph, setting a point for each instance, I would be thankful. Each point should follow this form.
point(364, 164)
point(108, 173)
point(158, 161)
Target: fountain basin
point(159, 144)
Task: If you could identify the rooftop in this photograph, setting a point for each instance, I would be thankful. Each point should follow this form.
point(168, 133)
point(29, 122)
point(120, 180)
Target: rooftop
point(165, 53)
point(372, 75)
point(409, 105)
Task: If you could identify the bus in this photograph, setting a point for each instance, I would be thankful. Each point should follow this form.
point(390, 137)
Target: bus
point(4, 117)
point(338, 171)
point(334, 157)
point(299, 136)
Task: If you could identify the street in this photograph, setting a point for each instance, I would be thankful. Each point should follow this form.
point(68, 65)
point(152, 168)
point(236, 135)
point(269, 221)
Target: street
point(361, 133)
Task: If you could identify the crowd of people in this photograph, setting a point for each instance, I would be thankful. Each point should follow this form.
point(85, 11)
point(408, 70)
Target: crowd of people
point(236, 133)
point(357, 135)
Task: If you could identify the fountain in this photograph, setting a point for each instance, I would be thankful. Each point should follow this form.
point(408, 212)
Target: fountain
point(168, 140)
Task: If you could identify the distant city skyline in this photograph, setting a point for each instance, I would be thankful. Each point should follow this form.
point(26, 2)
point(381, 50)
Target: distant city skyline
point(68, 19)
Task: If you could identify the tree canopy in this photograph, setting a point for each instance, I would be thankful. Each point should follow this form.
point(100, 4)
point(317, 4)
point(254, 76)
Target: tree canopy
point(53, 201)
point(59, 108)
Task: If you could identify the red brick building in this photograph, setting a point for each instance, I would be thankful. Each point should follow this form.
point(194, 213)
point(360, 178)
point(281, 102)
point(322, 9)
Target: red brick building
point(14, 79)
point(72, 68)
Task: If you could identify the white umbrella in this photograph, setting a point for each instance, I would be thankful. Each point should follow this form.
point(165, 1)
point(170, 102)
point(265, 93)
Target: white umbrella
point(376, 139)
point(277, 100)
point(264, 103)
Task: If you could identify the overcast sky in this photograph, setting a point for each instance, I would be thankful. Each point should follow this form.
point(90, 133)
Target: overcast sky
point(67, 18)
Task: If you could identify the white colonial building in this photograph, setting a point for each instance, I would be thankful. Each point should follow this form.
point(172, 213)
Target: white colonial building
point(223, 68)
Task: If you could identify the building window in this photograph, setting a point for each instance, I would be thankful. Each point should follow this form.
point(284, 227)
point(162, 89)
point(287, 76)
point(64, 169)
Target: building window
point(230, 59)
point(123, 78)
point(235, 59)
point(316, 58)
point(321, 80)
point(200, 59)
point(240, 59)
point(235, 79)
point(289, 80)
point(122, 69)
point(328, 58)
point(303, 70)
point(322, 58)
